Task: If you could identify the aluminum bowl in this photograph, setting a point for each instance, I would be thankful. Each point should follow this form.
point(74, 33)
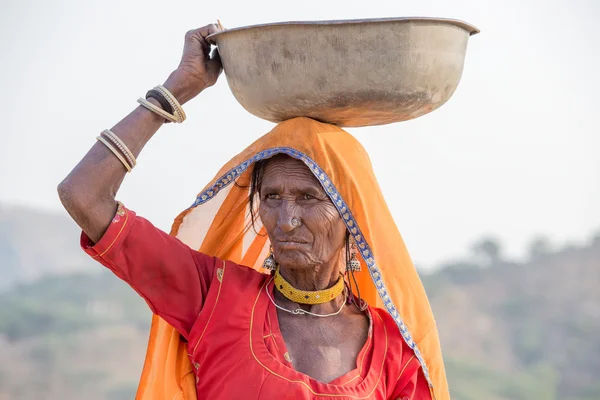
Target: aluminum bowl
point(349, 73)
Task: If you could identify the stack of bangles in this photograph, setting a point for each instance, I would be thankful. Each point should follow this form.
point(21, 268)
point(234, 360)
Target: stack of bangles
point(171, 111)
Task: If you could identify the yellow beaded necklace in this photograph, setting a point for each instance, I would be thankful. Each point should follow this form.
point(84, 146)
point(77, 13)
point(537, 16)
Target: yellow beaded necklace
point(305, 296)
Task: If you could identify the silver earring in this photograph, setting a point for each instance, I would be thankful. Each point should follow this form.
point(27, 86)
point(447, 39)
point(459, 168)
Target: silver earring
point(353, 265)
point(270, 264)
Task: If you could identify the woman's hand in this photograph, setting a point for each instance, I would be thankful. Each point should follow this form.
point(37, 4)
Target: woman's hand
point(88, 193)
point(198, 68)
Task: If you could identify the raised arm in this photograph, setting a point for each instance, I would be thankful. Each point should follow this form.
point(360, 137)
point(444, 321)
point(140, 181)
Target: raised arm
point(88, 192)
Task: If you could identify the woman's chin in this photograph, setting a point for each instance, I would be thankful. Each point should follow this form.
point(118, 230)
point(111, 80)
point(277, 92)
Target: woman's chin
point(292, 259)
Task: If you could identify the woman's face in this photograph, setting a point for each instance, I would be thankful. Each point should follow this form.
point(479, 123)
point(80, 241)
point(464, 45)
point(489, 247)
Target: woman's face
point(289, 190)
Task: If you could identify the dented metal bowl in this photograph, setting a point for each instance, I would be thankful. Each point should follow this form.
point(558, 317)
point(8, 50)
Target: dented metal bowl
point(349, 73)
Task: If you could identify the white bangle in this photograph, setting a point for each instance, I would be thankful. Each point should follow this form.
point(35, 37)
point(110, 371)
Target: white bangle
point(177, 109)
point(115, 152)
point(108, 134)
point(157, 110)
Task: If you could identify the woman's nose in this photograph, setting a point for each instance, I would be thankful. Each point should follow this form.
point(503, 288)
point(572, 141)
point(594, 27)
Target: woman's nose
point(286, 214)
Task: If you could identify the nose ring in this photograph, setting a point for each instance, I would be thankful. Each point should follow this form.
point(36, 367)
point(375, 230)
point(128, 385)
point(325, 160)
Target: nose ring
point(296, 222)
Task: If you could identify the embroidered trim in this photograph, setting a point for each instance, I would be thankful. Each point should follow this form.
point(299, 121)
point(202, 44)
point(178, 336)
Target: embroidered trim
point(273, 338)
point(363, 247)
point(120, 212)
point(404, 369)
point(212, 311)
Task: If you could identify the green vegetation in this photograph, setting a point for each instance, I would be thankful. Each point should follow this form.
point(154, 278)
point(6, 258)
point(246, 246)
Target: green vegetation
point(476, 382)
point(65, 304)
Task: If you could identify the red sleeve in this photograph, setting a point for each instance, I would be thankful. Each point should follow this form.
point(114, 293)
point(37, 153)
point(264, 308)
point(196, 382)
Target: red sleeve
point(412, 384)
point(171, 277)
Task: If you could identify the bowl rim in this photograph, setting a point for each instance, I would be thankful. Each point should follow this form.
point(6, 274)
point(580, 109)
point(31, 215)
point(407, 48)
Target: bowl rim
point(456, 22)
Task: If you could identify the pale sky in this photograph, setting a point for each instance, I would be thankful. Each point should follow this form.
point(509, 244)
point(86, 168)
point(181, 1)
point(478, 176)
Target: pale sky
point(514, 153)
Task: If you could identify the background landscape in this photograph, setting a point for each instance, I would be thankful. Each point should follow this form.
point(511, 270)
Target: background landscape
point(510, 331)
point(513, 154)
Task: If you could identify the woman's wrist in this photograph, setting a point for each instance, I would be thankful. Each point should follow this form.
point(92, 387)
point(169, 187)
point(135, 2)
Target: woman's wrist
point(178, 83)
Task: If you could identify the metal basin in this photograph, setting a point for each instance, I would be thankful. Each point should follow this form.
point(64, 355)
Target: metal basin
point(349, 73)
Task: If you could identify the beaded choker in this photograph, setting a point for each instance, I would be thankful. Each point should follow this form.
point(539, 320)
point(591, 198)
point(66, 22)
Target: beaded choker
point(305, 296)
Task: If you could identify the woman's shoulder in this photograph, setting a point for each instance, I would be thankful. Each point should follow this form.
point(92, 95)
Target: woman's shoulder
point(397, 347)
point(392, 329)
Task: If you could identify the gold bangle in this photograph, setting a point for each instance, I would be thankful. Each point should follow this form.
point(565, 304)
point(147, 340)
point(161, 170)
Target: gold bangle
point(157, 110)
point(177, 109)
point(121, 146)
point(115, 152)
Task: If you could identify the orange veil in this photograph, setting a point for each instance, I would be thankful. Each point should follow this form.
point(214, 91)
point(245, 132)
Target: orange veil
point(218, 224)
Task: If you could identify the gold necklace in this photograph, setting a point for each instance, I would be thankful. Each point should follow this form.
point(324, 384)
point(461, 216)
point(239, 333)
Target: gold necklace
point(300, 311)
point(306, 296)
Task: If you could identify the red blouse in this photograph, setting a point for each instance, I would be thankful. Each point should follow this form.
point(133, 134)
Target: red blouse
point(231, 326)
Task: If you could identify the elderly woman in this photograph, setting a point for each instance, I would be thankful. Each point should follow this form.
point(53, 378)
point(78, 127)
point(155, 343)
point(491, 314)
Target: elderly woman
point(286, 279)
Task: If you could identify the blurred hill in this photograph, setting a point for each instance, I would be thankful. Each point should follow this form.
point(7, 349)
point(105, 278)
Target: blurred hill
point(522, 331)
point(34, 243)
point(510, 331)
point(79, 336)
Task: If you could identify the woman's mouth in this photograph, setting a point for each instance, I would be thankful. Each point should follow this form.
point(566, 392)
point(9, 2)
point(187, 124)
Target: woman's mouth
point(290, 244)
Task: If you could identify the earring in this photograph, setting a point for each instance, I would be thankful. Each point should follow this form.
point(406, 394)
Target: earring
point(270, 264)
point(352, 264)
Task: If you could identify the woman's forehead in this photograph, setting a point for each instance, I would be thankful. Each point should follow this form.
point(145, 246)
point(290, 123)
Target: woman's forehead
point(285, 171)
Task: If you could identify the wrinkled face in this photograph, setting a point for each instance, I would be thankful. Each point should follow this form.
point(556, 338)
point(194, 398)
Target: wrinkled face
point(289, 190)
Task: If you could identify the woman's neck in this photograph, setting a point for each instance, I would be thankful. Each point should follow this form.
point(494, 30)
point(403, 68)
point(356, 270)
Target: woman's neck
point(321, 277)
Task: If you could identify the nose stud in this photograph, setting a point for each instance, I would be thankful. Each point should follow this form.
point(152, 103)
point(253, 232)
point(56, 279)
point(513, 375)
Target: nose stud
point(296, 222)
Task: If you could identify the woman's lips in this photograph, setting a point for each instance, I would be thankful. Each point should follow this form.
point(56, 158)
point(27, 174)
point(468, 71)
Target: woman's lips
point(290, 244)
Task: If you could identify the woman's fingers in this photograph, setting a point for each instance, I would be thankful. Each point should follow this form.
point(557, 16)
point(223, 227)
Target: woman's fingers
point(214, 65)
point(195, 40)
point(198, 69)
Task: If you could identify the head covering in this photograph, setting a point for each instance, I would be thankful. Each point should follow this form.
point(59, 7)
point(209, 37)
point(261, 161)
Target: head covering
point(218, 224)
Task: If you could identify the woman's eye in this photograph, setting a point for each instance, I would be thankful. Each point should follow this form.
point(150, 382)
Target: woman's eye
point(307, 197)
point(272, 196)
